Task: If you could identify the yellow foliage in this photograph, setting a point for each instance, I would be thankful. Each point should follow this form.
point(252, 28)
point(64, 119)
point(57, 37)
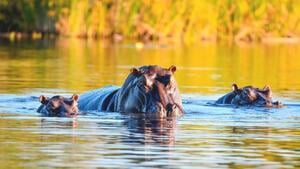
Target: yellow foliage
point(190, 21)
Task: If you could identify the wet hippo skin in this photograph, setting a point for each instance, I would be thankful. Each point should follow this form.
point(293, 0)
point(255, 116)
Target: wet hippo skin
point(249, 95)
point(58, 106)
point(148, 89)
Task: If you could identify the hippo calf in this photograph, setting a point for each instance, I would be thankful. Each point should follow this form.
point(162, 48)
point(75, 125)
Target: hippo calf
point(249, 95)
point(58, 106)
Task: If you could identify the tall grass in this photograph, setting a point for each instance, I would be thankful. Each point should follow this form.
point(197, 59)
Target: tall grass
point(182, 20)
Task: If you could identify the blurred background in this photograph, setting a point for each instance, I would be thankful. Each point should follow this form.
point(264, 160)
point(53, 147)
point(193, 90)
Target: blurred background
point(78, 45)
point(147, 20)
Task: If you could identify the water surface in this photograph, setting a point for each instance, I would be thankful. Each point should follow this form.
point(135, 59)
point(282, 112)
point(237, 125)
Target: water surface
point(207, 136)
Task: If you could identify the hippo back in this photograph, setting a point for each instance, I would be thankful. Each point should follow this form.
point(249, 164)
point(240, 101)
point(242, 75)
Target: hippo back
point(99, 99)
point(131, 97)
point(226, 99)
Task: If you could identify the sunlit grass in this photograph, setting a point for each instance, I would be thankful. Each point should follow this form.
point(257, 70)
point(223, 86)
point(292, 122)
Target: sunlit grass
point(176, 20)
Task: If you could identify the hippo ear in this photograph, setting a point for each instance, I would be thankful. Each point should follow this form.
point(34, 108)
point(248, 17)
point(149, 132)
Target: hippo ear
point(235, 87)
point(135, 71)
point(267, 91)
point(172, 69)
point(266, 88)
point(43, 99)
point(75, 97)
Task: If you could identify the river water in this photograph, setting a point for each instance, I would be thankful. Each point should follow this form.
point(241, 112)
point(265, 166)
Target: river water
point(206, 136)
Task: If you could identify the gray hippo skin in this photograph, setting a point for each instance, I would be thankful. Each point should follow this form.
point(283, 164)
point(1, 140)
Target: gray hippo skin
point(149, 89)
point(58, 106)
point(249, 95)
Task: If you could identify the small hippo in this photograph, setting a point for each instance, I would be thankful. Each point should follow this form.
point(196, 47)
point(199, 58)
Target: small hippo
point(58, 106)
point(249, 95)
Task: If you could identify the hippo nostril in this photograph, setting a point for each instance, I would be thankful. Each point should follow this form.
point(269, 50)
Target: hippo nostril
point(169, 108)
point(70, 114)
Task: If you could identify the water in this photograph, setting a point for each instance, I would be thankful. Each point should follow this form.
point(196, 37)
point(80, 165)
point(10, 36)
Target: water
point(207, 136)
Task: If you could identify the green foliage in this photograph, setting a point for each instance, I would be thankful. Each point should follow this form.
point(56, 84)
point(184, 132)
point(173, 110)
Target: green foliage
point(26, 16)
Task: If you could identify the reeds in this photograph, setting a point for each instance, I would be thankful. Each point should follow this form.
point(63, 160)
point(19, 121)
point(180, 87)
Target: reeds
point(162, 20)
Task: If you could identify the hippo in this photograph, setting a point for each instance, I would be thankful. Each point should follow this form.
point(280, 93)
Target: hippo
point(58, 106)
point(249, 95)
point(148, 89)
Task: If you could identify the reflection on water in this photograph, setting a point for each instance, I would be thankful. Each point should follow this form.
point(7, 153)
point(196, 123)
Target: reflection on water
point(147, 130)
point(81, 65)
point(207, 136)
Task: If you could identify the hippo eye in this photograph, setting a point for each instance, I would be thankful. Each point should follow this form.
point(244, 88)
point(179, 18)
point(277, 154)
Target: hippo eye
point(244, 95)
point(51, 105)
point(69, 102)
point(164, 79)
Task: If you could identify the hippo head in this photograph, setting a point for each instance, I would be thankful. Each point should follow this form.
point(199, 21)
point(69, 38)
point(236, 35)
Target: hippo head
point(245, 95)
point(249, 95)
point(165, 90)
point(144, 79)
point(134, 95)
point(168, 90)
point(150, 89)
point(58, 106)
point(265, 98)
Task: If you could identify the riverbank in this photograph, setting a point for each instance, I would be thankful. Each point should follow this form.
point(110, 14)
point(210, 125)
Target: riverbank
point(12, 36)
point(165, 22)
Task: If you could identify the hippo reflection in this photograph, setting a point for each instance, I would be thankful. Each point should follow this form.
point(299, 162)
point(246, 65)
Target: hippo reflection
point(249, 95)
point(58, 106)
point(148, 89)
point(145, 129)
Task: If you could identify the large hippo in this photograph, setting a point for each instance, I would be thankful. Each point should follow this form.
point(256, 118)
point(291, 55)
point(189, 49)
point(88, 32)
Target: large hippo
point(249, 95)
point(148, 89)
point(58, 106)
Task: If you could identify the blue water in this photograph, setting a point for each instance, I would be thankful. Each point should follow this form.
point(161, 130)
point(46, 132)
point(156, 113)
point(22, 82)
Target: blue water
point(206, 136)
